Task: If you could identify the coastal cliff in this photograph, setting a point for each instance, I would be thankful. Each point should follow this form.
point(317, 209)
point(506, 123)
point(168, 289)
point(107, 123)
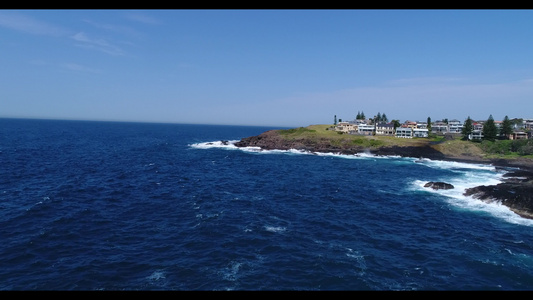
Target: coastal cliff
point(515, 192)
point(276, 139)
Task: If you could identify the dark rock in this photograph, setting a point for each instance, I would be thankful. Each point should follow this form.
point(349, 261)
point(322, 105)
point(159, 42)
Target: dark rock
point(517, 194)
point(439, 185)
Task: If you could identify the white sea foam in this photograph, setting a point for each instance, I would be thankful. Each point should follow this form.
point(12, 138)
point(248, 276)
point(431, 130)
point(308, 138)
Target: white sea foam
point(276, 229)
point(454, 165)
point(216, 144)
point(156, 275)
point(230, 145)
point(232, 270)
point(469, 176)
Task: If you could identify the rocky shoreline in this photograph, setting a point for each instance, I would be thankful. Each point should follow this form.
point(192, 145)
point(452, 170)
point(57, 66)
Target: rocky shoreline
point(515, 191)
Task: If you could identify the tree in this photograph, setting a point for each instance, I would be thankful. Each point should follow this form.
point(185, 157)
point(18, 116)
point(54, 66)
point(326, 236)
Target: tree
point(378, 118)
point(358, 117)
point(507, 127)
point(517, 122)
point(429, 124)
point(384, 118)
point(335, 120)
point(396, 124)
point(489, 129)
point(362, 115)
point(467, 129)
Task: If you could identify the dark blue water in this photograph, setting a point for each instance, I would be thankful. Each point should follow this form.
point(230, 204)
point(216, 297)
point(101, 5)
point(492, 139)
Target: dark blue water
point(140, 206)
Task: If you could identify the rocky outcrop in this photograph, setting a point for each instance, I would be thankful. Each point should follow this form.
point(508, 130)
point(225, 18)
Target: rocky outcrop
point(271, 140)
point(439, 185)
point(515, 192)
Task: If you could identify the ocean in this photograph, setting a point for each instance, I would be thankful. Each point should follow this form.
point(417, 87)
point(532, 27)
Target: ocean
point(107, 206)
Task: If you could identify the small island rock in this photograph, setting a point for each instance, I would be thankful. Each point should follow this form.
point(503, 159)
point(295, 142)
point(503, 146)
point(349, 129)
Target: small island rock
point(439, 185)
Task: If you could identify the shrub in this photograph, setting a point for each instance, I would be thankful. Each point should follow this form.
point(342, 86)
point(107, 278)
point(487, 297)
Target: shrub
point(496, 147)
point(298, 130)
point(507, 147)
point(522, 147)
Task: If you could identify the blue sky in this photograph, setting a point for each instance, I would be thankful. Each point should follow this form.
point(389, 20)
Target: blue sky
point(284, 68)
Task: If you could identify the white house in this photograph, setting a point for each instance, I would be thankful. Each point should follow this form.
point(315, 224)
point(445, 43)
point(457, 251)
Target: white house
point(518, 135)
point(420, 132)
point(346, 127)
point(421, 125)
point(365, 129)
point(385, 129)
point(439, 127)
point(455, 126)
point(477, 131)
point(404, 132)
point(476, 134)
point(528, 124)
